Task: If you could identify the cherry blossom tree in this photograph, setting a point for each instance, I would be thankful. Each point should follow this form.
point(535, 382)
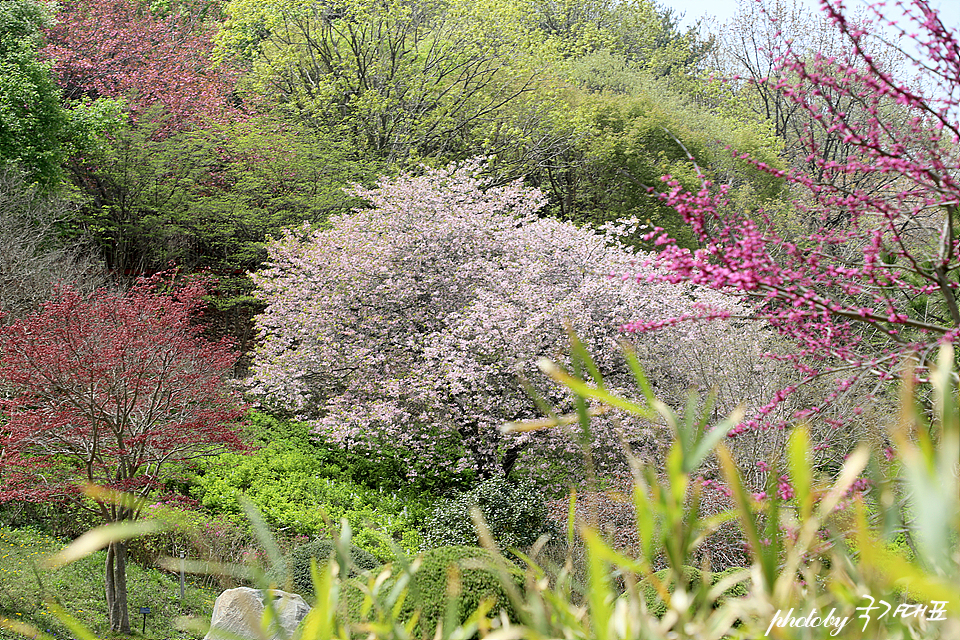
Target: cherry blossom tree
point(112, 390)
point(874, 280)
point(417, 322)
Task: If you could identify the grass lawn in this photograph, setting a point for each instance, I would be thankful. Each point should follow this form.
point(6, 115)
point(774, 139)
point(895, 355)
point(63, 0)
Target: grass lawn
point(25, 588)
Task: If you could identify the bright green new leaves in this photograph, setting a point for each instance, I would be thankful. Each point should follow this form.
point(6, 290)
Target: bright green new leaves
point(623, 130)
point(32, 122)
point(640, 31)
point(305, 488)
point(209, 198)
point(36, 132)
point(405, 79)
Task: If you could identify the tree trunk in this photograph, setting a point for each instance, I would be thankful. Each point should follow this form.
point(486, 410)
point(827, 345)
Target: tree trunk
point(116, 587)
point(510, 458)
point(483, 453)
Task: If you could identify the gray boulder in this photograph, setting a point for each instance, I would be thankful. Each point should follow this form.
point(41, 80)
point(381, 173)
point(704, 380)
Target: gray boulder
point(237, 612)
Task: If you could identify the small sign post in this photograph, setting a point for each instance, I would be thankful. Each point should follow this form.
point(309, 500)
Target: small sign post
point(181, 578)
point(144, 611)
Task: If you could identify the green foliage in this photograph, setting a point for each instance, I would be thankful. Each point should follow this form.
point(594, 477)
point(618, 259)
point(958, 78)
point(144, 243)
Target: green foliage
point(618, 129)
point(656, 132)
point(269, 172)
point(298, 565)
point(50, 519)
point(28, 589)
point(305, 487)
point(646, 34)
point(136, 186)
point(33, 123)
point(196, 534)
point(205, 198)
point(514, 512)
point(787, 572)
point(400, 80)
point(430, 586)
point(91, 123)
point(462, 572)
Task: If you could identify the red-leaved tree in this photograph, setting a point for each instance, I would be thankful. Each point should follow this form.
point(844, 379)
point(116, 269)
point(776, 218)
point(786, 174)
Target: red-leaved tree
point(112, 390)
point(122, 48)
point(874, 277)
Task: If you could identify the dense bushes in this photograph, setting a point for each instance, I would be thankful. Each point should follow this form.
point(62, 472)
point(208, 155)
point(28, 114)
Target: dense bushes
point(304, 487)
point(478, 581)
point(515, 512)
point(613, 512)
point(470, 569)
point(297, 569)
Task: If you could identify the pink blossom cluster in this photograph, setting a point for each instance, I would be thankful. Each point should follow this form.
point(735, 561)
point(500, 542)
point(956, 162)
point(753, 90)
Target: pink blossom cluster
point(418, 322)
point(874, 278)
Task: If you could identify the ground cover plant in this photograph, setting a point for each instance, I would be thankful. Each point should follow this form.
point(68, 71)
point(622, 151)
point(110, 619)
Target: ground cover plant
point(304, 487)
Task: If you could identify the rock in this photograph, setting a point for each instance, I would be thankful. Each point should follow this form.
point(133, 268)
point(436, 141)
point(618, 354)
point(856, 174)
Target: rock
point(238, 613)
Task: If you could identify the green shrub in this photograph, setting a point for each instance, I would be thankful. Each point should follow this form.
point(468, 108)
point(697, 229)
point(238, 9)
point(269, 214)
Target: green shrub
point(297, 568)
point(428, 588)
point(429, 584)
point(515, 512)
point(301, 485)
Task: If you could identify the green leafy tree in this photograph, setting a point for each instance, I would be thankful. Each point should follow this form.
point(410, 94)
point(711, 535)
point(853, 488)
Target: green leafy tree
point(208, 198)
point(404, 79)
point(645, 33)
point(621, 129)
point(135, 188)
point(33, 124)
point(267, 173)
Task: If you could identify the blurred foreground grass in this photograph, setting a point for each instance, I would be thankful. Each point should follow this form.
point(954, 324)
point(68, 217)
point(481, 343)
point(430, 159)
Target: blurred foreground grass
point(826, 556)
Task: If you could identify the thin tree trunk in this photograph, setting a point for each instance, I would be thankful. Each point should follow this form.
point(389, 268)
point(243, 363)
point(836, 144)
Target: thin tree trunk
point(109, 587)
point(116, 587)
point(486, 462)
